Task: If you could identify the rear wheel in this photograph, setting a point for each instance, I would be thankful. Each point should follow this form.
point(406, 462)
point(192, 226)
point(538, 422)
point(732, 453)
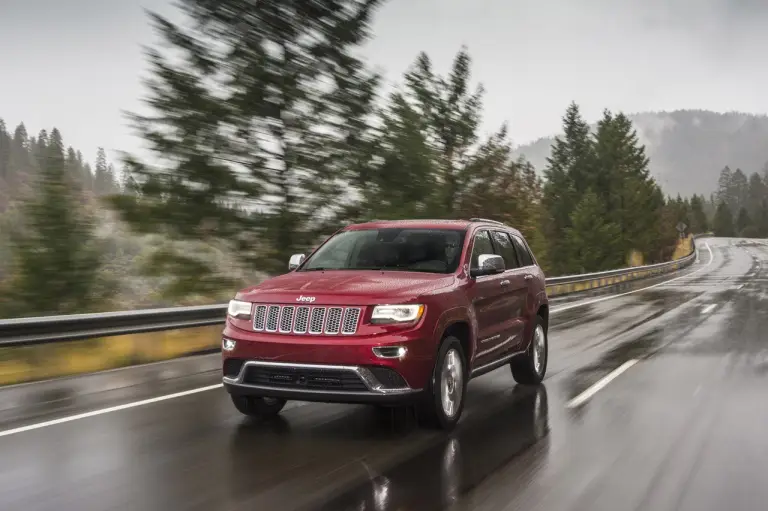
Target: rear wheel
point(448, 387)
point(263, 407)
point(530, 368)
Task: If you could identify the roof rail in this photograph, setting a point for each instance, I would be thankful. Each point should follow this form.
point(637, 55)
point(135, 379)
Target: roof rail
point(486, 220)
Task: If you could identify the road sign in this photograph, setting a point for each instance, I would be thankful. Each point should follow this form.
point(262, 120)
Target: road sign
point(681, 226)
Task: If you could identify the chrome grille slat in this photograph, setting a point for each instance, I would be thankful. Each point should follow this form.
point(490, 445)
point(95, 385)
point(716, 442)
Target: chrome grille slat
point(303, 319)
point(317, 320)
point(333, 321)
point(272, 317)
point(259, 318)
point(286, 319)
point(351, 317)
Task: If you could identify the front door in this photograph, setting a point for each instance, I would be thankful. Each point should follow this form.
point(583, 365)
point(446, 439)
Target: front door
point(515, 297)
point(489, 293)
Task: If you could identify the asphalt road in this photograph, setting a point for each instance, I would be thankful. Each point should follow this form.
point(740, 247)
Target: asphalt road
point(655, 400)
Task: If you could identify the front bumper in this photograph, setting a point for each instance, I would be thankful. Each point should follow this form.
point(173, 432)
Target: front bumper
point(316, 382)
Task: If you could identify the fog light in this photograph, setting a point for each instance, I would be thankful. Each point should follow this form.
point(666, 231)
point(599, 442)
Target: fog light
point(390, 351)
point(228, 344)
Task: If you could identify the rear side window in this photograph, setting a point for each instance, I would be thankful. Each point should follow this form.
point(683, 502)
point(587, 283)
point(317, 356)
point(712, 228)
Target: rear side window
point(505, 249)
point(522, 251)
point(481, 246)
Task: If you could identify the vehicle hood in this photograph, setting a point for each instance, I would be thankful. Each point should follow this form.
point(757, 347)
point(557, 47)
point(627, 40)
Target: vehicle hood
point(346, 287)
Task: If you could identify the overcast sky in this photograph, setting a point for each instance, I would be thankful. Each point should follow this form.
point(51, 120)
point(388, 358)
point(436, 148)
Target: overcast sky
point(77, 64)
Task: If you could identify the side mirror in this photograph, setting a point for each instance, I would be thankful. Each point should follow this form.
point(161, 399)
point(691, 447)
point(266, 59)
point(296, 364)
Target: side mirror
point(488, 264)
point(295, 262)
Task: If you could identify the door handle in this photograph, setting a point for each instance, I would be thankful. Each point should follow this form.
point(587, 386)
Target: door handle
point(528, 277)
point(504, 282)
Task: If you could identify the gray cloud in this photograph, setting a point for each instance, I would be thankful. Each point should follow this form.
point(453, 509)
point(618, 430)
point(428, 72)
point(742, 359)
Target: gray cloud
point(76, 64)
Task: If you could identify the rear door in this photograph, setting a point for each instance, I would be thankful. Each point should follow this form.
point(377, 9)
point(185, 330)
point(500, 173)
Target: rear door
point(532, 276)
point(488, 296)
point(515, 296)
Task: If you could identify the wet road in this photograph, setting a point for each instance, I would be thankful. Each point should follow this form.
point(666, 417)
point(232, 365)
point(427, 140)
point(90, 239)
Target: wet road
point(684, 428)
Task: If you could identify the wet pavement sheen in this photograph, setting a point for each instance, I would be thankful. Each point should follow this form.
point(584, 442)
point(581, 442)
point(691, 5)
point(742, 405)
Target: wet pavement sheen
point(683, 429)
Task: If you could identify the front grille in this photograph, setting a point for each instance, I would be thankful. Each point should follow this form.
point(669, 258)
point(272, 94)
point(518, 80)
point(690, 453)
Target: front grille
point(287, 319)
point(304, 378)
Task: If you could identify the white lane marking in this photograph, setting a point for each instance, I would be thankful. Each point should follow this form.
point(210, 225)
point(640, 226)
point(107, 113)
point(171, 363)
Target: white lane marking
point(107, 410)
point(597, 300)
point(600, 384)
point(742, 285)
point(708, 308)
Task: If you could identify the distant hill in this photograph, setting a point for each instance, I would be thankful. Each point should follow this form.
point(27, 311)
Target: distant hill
point(688, 148)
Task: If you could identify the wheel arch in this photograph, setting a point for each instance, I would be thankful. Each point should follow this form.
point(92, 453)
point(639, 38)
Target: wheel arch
point(463, 332)
point(543, 312)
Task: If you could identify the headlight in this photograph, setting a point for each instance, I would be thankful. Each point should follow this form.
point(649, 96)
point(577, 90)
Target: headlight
point(383, 314)
point(239, 310)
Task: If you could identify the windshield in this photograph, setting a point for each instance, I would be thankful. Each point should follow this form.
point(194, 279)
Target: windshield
point(424, 250)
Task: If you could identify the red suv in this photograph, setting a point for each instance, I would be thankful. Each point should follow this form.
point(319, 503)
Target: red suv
point(390, 313)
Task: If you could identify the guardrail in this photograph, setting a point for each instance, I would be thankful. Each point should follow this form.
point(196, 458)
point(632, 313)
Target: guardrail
point(57, 329)
point(558, 286)
point(76, 327)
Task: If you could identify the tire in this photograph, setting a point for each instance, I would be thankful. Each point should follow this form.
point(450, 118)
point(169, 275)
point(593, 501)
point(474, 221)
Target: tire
point(449, 377)
point(530, 368)
point(261, 407)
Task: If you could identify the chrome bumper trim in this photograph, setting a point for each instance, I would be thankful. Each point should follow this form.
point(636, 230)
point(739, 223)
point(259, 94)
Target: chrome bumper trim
point(375, 387)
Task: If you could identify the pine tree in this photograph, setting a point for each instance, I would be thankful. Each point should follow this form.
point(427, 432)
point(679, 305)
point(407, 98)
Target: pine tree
point(21, 168)
point(405, 182)
point(699, 223)
point(667, 233)
point(40, 147)
point(743, 221)
point(73, 169)
point(258, 119)
point(762, 220)
point(103, 180)
point(432, 161)
point(723, 222)
point(5, 169)
point(5, 153)
point(725, 187)
point(624, 184)
point(757, 191)
point(739, 191)
point(55, 263)
point(450, 115)
point(570, 161)
point(591, 242)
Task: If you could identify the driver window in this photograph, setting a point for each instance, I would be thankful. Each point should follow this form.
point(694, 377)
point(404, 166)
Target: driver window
point(482, 245)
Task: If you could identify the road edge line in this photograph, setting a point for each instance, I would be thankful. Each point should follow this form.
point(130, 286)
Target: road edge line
point(110, 409)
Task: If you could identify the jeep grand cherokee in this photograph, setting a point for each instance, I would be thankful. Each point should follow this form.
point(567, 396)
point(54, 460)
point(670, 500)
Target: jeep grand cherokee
point(390, 313)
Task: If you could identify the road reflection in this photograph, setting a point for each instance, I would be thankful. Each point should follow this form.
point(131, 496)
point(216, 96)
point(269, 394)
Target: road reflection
point(438, 478)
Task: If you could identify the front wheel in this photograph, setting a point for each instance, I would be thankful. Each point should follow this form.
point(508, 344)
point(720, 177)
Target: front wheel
point(445, 403)
point(530, 368)
point(262, 407)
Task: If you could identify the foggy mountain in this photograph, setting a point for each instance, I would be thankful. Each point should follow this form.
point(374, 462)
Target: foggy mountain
point(688, 148)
